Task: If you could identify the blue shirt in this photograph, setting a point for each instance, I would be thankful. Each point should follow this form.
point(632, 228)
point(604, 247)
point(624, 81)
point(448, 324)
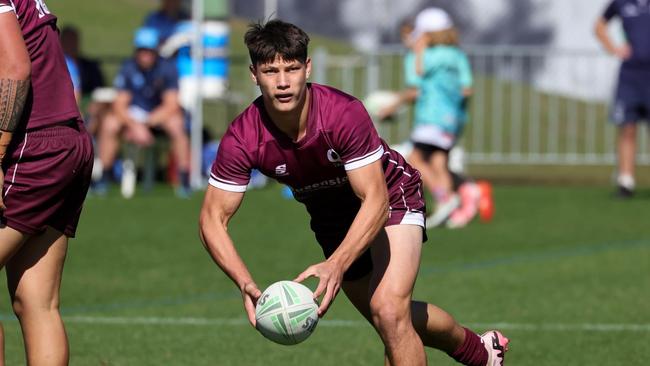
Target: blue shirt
point(147, 86)
point(74, 73)
point(635, 15)
point(446, 72)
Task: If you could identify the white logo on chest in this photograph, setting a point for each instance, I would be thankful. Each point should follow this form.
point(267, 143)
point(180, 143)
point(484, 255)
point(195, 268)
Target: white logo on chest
point(334, 157)
point(281, 170)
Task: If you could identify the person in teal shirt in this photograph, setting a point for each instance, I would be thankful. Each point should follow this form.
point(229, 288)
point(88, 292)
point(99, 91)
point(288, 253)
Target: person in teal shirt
point(439, 80)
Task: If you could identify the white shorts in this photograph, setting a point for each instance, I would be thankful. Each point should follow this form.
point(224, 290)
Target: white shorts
point(139, 114)
point(433, 135)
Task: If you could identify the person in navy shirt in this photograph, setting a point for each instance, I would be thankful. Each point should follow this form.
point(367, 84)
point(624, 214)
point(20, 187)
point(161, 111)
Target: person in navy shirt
point(364, 200)
point(147, 98)
point(632, 99)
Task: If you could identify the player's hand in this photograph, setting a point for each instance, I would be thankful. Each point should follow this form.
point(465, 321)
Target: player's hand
point(421, 43)
point(624, 52)
point(387, 112)
point(250, 294)
point(330, 276)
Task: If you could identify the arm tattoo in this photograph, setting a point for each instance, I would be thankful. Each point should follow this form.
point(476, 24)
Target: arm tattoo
point(13, 95)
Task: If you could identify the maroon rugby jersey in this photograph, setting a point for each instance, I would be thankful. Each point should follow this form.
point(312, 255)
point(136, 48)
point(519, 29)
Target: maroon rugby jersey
point(340, 136)
point(52, 100)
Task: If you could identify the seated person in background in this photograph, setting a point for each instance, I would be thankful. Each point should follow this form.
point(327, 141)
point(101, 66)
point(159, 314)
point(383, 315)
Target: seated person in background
point(89, 77)
point(147, 98)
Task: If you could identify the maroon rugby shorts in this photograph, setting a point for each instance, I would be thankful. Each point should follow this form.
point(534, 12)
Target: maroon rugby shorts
point(47, 175)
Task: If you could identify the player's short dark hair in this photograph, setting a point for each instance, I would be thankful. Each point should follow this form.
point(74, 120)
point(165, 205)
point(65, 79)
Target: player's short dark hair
point(276, 38)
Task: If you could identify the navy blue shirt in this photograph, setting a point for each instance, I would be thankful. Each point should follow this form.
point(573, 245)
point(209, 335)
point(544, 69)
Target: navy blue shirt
point(635, 15)
point(147, 87)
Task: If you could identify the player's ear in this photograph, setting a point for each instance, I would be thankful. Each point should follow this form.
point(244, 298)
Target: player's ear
point(308, 66)
point(252, 70)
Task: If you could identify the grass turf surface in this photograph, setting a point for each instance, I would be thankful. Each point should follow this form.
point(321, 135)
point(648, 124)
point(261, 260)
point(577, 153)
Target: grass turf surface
point(564, 269)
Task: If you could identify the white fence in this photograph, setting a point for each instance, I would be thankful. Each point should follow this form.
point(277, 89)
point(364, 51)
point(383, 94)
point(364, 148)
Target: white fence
point(530, 106)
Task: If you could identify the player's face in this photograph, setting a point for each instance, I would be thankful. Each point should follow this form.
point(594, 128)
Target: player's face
point(282, 83)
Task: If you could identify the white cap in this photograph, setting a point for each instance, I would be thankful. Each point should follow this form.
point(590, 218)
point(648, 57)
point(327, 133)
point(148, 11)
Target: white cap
point(431, 20)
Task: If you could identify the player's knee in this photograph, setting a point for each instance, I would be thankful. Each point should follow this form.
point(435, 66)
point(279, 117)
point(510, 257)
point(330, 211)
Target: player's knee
point(25, 306)
point(389, 315)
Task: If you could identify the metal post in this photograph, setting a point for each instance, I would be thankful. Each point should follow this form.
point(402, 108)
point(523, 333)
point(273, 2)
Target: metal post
point(196, 138)
point(270, 9)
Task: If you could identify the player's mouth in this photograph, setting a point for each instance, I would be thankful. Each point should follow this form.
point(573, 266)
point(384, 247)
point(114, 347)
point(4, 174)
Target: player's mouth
point(284, 98)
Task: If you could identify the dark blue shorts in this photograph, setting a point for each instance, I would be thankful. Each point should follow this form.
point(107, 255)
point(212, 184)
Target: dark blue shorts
point(632, 100)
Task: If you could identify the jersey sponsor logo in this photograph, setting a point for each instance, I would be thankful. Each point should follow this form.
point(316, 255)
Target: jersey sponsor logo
point(334, 157)
point(281, 170)
point(328, 183)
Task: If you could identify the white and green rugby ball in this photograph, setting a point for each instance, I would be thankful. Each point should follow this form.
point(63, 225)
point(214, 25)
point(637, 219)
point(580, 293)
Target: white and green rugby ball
point(286, 313)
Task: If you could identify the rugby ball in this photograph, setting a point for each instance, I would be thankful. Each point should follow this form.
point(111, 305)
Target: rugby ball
point(286, 313)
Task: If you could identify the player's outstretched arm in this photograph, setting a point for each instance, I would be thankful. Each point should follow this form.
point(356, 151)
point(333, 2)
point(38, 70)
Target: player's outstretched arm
point(369, 185)
point(218, 207)
point(15, 72)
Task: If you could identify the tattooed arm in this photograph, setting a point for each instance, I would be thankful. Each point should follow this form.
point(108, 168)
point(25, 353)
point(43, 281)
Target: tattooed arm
point(15, 70)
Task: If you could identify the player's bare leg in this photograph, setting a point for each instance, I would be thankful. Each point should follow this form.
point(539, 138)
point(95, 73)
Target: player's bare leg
point(174, 128)
point(385, 297)
point(626, 158)
point(34, 279)
point(108, 139)
point(10, 242)
point(417, 161)
point(434, 326)
point(446, 200)
point(439, 163)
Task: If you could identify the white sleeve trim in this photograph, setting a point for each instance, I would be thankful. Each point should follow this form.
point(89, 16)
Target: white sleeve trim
point(227, 187)
point(365, 159)
point(6, 8)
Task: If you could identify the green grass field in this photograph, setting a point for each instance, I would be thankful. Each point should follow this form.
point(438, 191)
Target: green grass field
point(563, 271)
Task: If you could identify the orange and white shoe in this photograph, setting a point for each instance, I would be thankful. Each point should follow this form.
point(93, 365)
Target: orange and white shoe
point(496, 345)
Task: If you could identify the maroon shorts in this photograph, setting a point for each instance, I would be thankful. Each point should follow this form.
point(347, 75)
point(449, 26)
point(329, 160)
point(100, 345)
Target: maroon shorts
point(47, 176)
point(407, 208)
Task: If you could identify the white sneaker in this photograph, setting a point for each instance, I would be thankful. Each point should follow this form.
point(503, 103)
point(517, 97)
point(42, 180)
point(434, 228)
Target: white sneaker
point(443, 211)
point(496, 345)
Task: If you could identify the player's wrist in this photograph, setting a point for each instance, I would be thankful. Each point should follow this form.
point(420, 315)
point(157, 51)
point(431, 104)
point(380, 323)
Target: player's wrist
point(5, 140)
point(243, 285)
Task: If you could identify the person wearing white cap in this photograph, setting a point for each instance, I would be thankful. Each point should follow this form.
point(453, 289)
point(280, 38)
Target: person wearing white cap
point(439, 80)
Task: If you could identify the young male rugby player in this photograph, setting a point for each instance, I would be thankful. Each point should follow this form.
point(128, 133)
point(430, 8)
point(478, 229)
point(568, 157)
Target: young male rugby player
point(364, 200)
point(46, 159)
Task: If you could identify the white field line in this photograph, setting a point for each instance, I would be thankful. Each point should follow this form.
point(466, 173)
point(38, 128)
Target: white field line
point(339, 323)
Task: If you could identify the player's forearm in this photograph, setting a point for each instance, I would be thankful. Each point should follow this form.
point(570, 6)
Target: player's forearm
point(13, 96)
point(601, 34)
point(366, 225)
point(219, 245)
point(162, 113)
